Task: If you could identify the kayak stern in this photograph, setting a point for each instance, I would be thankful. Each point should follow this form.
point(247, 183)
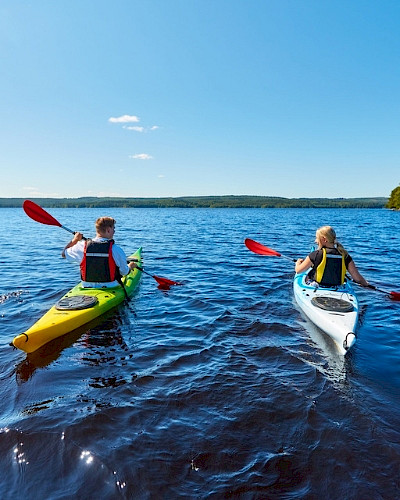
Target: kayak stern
point(59, 321)
point(332, 310)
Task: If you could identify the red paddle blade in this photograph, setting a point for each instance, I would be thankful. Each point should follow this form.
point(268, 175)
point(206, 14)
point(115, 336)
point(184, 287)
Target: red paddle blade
point(395, 296)
point(37, 213)
point(165, 282)
point(260, 249)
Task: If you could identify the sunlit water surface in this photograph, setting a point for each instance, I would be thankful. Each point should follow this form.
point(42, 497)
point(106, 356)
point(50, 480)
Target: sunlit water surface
point(219, 388)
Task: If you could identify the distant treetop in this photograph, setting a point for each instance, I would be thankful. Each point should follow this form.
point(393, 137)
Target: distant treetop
point(394, 200)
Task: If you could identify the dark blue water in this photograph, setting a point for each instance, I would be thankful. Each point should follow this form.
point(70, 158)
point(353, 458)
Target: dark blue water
point(219, 388)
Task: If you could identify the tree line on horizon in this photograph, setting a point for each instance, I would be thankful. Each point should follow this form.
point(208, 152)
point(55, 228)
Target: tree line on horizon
point(227, 201)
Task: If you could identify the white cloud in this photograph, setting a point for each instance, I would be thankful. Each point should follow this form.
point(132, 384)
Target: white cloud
point(141, 156)
point(124, 119)
point(161, 176)
point(136, 129)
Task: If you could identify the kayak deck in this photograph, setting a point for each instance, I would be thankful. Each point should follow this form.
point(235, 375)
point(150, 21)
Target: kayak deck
point(59, 321)
point(333, 310)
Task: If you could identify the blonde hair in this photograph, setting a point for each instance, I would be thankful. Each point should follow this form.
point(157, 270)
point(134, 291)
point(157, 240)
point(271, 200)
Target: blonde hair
point(329, 233)
point(103, 223)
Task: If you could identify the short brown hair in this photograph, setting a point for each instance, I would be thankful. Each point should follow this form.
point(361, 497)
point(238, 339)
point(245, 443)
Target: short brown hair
point(103, 222)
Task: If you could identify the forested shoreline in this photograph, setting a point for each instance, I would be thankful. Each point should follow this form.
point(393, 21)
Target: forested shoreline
point(394, 199)
point(228, 201)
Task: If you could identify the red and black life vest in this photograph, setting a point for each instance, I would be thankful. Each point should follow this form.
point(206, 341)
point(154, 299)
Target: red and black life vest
point(98, 264)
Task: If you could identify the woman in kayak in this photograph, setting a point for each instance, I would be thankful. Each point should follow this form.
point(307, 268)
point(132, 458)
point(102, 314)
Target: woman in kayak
point(330, 262)
point(102, 262)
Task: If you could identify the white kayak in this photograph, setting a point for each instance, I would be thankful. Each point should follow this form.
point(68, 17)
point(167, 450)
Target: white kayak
point(333, 310)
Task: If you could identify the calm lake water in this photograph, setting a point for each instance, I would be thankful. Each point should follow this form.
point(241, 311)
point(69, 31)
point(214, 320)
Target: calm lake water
point(219, 388)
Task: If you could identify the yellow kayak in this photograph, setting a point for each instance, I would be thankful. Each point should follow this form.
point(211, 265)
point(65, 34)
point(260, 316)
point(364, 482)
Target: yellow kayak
point(76, 308)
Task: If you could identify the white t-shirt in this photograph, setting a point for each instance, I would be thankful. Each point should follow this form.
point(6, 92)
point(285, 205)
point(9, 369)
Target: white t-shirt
point(75, 254)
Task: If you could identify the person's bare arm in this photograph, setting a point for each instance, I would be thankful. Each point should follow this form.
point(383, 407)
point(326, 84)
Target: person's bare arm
point(356, 275)
point(77, 237)
point(302, 265)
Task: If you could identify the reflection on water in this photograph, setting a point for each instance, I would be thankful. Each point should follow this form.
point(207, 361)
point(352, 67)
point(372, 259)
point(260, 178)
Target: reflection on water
point(101, 331)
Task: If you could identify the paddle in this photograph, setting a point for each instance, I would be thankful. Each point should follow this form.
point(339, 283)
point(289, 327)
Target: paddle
point(163, 282)
point(392, 295)
point(38, 214)
point(261, 249)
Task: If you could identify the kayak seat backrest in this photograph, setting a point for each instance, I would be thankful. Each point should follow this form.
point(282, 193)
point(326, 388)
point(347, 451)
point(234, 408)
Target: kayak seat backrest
point(76, 302)
point(332, 304)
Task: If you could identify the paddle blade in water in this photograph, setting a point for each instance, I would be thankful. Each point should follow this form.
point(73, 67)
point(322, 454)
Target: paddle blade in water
point(260, 249)
point(391, 295)
point(37, 213)
point(395, 296)
point(165, 282)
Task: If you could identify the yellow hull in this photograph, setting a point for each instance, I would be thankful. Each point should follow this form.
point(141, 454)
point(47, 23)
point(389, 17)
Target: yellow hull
point(56, 323)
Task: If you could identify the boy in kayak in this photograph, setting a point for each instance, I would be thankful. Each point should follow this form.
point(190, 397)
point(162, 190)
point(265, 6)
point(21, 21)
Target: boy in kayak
point(102, 262)
point(330, 262)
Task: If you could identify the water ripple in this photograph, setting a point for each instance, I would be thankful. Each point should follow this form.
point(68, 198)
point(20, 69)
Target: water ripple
point(219, 388)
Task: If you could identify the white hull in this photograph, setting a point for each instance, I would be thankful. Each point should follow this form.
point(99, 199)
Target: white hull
point(339, 325)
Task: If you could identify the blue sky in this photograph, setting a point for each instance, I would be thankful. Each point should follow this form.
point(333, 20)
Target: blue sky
point(199, 97)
